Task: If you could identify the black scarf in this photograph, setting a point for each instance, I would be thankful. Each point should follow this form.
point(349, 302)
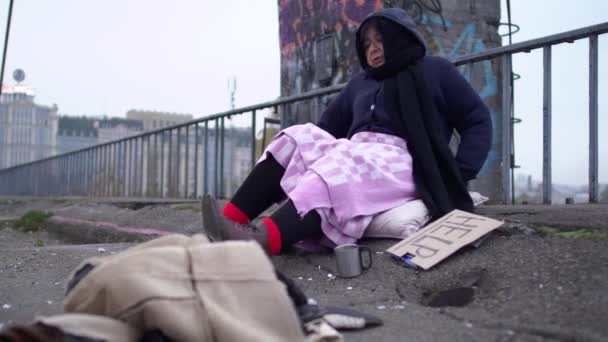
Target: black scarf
point(409, 102)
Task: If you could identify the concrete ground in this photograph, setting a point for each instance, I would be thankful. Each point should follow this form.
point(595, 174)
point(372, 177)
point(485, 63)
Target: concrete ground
point(543, 276)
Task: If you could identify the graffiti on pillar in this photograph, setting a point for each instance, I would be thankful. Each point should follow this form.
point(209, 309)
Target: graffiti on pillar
point(305, 20)
point(467, 43)
point(305, 26)
point(418, 9)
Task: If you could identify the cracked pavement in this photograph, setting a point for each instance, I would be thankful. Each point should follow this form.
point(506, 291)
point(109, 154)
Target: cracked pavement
point(519, 285)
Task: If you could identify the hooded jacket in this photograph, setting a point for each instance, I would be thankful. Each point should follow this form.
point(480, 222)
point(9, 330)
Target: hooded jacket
point(360, 107)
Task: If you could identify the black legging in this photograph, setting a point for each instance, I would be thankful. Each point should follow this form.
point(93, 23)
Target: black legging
point(261, 189)
point(292, 227)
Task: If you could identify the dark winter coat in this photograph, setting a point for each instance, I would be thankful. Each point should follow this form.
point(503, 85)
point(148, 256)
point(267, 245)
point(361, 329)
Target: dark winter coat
point(360, 106)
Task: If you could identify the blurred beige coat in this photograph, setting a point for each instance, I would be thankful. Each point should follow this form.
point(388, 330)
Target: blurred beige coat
point(190, 289)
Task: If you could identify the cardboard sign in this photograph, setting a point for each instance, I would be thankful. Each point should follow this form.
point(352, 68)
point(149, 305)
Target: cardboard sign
point(440, 239)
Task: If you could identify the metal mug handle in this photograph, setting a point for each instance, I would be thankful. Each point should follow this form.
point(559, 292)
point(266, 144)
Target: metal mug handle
point(363, 250)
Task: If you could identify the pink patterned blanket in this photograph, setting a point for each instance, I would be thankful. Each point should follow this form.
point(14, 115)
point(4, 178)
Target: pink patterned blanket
point(346, 181)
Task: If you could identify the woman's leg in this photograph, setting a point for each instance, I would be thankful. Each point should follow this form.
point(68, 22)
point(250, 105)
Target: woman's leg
point(292, 227)
point(258, 192)
point(274, 233)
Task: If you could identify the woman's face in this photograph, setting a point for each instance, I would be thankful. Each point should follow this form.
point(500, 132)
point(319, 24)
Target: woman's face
point(374, 50)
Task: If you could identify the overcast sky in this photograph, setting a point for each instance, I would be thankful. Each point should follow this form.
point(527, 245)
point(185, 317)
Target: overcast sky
point(107, 57)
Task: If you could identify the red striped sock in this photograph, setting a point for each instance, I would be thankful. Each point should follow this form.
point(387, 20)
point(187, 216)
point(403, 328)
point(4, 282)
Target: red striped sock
point(233, 213)
point(274, 236)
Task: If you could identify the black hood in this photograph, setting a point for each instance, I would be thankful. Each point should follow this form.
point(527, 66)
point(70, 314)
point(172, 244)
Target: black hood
point(395, 15)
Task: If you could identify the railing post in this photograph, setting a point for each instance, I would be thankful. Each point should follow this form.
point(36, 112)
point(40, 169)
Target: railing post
point(593, 119)
point(186, 162)
point(196, 143)
point(85, 172)
point(253, 118)
point(68, 174)
point(95, 168)
point(78, 174)
point(102, 179)
point(222, 140)
point(106, 167)
point(506, 127)
point(109, 161)
point(135, 167)
point(81, 167)
point(73, 174)
point(547, 183)
point(141, 167)
point(169, 165)
point(115, 169)
point(130, 174)
point(178, 165)
point(123, 168)
point(155, 167)
point(162, 164)
point(99, 184)
point(91, 178)
point(216, 165)
point(206, 160)
point(146, 191)
point(132, 166)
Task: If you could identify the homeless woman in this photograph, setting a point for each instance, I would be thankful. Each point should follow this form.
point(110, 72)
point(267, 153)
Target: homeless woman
point(381, 142)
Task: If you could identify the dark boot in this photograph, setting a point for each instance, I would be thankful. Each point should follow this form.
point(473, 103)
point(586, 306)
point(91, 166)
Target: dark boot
point(219, 228)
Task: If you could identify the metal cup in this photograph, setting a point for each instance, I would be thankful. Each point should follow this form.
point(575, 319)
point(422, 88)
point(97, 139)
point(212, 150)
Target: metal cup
point(349, 260)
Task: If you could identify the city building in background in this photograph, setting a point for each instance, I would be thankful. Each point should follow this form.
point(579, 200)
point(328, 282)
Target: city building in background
point(27, 130)
point(75, 133)
point(110, 129)
point(152, 119)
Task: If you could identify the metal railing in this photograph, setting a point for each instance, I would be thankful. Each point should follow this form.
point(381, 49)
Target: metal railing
point(546, 43)
point(175, 161)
